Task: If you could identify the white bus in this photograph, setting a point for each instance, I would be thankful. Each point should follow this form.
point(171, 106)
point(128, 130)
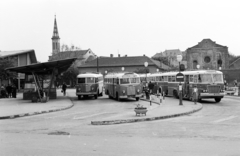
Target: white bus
point(89, 84)
point(123, 85)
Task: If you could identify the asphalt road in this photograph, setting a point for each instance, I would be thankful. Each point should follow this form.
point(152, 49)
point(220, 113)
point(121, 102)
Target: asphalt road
point(215, 130)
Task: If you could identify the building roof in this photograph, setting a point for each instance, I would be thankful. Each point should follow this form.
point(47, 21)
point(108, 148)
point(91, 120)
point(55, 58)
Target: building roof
point(200, 44)
point(69, 54)
point(33, 58)
point(44, 68)
point(120, 61)
point(234, 61)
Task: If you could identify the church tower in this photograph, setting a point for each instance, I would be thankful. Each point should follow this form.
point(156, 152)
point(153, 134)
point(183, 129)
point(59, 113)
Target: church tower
point(55, 39)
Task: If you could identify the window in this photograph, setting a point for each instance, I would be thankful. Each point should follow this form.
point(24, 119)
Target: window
point(165, 78)
point(173, 78)
point(191, 78)
point(169, 79)
point(207, 59)
point(195, 78)
point(81, 80)
point(90, 80)
point(135, 80)
point(217, 78)
point(206, 78)
point(124, 81)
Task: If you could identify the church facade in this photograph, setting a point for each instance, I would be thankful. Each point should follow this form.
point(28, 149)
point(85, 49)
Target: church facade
point(208, 55)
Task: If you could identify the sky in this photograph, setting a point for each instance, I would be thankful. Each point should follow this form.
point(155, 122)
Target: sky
point(125, 27)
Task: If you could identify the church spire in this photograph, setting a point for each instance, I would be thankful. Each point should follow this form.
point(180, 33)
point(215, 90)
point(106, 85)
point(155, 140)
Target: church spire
point(55, 39)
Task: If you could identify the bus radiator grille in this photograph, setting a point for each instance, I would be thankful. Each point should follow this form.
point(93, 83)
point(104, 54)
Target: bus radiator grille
point(131, 90)
point(214, 89)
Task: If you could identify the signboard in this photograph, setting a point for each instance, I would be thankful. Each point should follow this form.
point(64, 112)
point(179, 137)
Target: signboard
point(179, 77)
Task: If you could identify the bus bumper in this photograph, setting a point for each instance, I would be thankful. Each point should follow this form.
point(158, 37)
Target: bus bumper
point(130, 96)
point(90, 93)
point(212, 95)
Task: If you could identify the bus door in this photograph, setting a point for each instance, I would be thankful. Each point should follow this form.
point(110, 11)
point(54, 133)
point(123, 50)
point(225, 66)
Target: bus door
point(186, 90)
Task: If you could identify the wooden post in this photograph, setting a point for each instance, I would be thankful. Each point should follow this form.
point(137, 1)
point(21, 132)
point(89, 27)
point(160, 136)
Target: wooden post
point(36, 84)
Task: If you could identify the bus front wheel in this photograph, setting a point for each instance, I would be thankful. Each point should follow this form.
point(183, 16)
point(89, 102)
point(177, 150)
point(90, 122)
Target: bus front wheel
point(79, 97)
point(217, 99)
point(96, 96)
point(137, 98)
point(117, 97)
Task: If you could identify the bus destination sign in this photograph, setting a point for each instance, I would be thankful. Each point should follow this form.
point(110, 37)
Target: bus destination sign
point(179, 77)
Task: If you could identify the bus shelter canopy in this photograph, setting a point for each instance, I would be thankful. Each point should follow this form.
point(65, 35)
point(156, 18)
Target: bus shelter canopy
point(45, 68)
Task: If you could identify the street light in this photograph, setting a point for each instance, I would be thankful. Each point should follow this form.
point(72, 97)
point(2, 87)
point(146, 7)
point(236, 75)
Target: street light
point(122, 68)
point(220, 68)
point(157, 70)
point(179, 59)
point(146, 64)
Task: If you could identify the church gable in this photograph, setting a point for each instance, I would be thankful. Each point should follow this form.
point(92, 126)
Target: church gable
point(207, 44)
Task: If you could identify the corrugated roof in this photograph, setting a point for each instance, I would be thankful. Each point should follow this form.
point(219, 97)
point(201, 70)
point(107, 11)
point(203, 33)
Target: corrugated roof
point(120, 61)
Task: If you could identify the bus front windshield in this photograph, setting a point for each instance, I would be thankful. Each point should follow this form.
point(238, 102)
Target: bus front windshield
point(211, 78)
point(86, 80)
point(217, 78)
point(129, 80)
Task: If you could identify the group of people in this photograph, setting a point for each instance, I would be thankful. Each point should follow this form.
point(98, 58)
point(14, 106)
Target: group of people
point(9, 91)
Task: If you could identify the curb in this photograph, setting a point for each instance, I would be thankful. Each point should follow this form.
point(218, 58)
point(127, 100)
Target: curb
point(35, 113)
point(111, 122)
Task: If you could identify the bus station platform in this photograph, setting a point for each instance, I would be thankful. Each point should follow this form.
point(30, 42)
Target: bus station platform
point(11, 108)
point(17, 107)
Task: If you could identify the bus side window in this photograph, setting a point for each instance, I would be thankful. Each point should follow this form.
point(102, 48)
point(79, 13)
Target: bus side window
point(190, 78)
point(173, 79)
point(195, 78)
point(96, 80)
point(169, 79)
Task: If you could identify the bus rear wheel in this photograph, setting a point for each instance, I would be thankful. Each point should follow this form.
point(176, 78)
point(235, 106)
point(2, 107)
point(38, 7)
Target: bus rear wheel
point(217, 99)
point(137, 98)
point(79, 97)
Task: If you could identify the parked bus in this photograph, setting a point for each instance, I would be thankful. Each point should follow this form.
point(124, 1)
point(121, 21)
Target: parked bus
point(89, 84)
point(123, 85)
point(208, 82)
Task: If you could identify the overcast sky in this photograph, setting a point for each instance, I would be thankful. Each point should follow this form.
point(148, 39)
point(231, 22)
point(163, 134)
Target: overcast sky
point(132, 27)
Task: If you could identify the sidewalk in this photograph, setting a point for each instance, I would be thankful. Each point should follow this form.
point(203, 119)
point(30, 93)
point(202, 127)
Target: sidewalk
point(169, 108)
point(17, 107)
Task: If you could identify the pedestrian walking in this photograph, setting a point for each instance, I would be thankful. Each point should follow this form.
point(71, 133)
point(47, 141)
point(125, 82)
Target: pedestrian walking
point(9, 91)
point(64, 88)
point(225, 85)
point(14, 91)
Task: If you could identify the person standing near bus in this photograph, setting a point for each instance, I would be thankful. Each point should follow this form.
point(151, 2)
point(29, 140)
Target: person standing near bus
point(64, 88)
point(150, 86)
point(225, 85)
point(195, 94)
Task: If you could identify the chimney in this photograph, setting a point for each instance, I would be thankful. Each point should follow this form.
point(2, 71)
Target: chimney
point(111, 55)
point(143, 54)
point(118, 55)
point(125, 55)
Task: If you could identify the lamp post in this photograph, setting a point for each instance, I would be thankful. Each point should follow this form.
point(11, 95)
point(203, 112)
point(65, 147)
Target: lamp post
point(146, 64)
point(97, 65)
point(122, 68)
point(220, 68)
point(157, 70)
point(179, 59)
